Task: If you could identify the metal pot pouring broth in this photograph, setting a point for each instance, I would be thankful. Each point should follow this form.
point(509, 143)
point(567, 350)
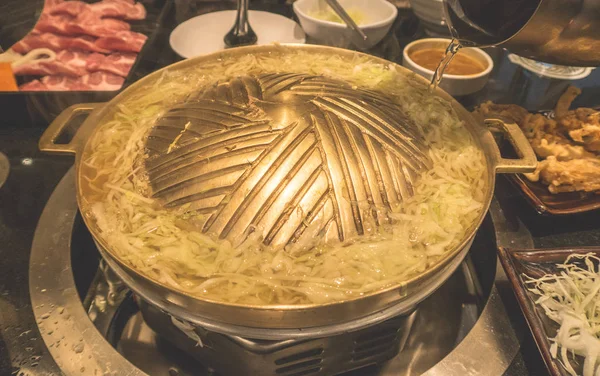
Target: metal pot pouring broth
point(561, 32)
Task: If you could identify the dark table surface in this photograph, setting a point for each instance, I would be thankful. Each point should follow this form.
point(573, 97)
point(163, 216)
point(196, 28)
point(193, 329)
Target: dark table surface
point(33, 175)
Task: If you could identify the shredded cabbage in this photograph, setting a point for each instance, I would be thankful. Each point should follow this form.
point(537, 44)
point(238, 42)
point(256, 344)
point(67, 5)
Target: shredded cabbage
point(164, 245)
point(327, 14)
point(571, 298)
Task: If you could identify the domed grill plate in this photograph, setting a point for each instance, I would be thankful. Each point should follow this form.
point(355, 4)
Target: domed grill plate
point(298, 158)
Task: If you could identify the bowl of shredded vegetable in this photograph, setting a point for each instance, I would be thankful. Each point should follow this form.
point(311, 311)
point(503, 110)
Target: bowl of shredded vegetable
point(319, 21)
point(286, 187)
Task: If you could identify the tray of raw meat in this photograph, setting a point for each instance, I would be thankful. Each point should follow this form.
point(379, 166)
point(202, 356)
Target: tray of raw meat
point(78, 46)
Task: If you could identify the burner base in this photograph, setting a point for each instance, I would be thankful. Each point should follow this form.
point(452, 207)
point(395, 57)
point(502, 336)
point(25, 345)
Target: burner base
point(231, 355)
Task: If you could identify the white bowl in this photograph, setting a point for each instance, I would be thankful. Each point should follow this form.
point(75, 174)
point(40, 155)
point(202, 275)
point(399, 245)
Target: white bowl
point(453, 84)
point(431, 14)
point(379, 14)
point(204, 34)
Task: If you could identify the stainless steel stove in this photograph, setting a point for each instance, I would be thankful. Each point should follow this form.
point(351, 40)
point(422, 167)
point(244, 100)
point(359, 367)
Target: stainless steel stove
point(93, 325)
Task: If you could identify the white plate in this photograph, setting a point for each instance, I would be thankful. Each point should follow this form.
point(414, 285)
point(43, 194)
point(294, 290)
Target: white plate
point(204, 34)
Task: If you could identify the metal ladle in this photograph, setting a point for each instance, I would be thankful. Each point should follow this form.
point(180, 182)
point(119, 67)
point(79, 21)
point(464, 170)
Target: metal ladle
point(241, 34)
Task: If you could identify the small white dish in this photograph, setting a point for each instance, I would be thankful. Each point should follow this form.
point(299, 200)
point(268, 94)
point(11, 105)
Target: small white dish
point(380, 16)
point(453, 84)
point(204, 34)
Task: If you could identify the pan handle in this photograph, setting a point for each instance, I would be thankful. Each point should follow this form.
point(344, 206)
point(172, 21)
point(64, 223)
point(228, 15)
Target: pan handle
point(527, 161)
point(48, 140)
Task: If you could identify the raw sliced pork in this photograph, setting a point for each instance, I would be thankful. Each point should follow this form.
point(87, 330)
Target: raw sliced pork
point(103, 81)
point(98, 81)
point(47, 68)
point(127, 10)
point(128, 41)
point(74, 58)
point(40, 40)
point(89, 23)
point(78, 63)
point(120, 9)
point(86, 43)
point(34, 85)
point(72, 8)
point(56, 43)
point(58, 24)
point(117, 63)
point(63, 83)
point(52, 3)
point(95, 48)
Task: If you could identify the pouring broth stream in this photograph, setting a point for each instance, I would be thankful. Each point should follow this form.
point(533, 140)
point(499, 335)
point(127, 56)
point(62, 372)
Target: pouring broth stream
point(451, 51)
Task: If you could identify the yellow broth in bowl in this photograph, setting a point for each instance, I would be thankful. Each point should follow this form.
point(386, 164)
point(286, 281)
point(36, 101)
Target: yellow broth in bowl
point(462, 64)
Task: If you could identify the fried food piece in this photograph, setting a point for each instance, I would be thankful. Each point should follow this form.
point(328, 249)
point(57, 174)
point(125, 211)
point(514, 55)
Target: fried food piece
point(546, 139)
point(543, 133)
point(588, 135)
point(568, 176)
point(509, 111)
point(559, 148)
point(536, 126)
point(582, 125)
point(575, 118)
point(569, 143)
point(565, 100)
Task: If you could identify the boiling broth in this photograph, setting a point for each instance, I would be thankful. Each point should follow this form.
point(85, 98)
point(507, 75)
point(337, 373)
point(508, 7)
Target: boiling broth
point(460, 64)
